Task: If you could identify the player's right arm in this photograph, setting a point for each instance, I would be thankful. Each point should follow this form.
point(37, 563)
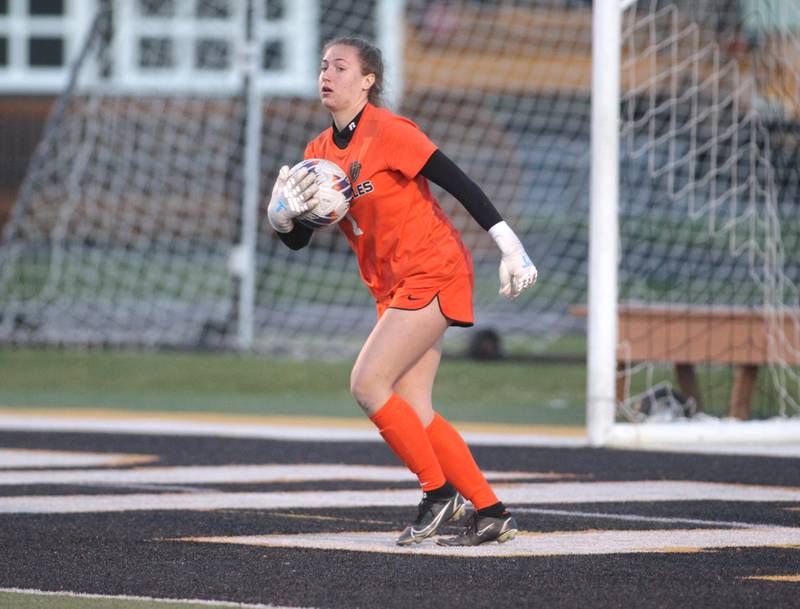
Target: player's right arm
point(292, 194)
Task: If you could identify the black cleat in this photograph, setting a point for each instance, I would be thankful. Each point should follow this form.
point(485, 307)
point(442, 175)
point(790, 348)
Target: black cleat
point(431, 514)
point(483, 529)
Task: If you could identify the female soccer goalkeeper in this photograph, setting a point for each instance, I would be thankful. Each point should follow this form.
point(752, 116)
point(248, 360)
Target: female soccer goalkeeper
point(413, 260)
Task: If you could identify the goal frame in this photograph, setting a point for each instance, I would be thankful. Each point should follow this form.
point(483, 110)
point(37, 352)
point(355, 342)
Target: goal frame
point(602, 320)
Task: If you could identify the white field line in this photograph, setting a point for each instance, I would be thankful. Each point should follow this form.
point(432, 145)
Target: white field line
point(637, 518)
point(273, 431)
point(535, 544)
point(321, 433)
point(235, 474)
point(511, 494)
point(782, 450)
point(146, 599)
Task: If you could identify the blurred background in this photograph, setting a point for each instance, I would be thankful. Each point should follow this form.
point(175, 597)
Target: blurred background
point(140, 139)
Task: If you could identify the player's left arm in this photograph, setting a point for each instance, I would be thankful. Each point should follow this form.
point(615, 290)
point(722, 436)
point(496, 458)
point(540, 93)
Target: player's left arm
point(517, 272)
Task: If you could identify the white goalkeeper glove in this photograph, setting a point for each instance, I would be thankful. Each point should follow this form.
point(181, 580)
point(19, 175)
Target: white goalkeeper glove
point(517, 272)
point(292, 194)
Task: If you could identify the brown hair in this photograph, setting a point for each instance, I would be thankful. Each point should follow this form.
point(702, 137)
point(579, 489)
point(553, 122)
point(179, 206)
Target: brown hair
point(371, 63)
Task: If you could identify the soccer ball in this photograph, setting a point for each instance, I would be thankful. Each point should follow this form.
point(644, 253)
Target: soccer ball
point(334, 194)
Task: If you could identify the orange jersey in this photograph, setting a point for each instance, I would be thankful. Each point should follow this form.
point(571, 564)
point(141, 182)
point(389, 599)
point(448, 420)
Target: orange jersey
point(395, 225)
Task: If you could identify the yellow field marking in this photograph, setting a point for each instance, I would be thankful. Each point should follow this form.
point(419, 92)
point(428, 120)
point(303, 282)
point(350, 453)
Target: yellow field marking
point(775, 578)
point(327, 518)
point(24, 458)
point(217, 474)
point(303, 421)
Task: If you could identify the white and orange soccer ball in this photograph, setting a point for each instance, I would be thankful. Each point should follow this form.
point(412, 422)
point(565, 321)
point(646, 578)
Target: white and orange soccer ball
point(335, 193)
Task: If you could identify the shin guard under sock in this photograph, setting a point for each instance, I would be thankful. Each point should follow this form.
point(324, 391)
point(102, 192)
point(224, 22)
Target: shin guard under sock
point(458, 464)
point(403, 431)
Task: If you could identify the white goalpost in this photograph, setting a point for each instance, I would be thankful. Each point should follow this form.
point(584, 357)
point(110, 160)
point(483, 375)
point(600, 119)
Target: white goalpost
point(668, 64)
point(603, 223)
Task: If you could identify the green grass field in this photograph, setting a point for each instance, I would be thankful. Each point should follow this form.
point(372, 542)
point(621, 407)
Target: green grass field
point(535, 393)
point(24, 600)
point(504, 391)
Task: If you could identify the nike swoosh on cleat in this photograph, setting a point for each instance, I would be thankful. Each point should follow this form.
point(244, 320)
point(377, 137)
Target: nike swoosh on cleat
point(483, 530)
point(434, 524)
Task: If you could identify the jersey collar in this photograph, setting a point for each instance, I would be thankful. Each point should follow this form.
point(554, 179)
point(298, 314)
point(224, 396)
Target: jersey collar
point(342, 138)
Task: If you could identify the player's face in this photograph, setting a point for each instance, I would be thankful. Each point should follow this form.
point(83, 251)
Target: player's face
point(341, 83)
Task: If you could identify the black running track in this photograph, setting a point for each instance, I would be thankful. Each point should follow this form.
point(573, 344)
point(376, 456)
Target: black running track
point(134, 552)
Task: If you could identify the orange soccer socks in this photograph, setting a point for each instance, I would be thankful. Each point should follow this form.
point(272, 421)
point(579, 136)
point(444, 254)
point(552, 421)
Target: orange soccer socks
point(458, 464)
point(436, 455)
point(404, 433)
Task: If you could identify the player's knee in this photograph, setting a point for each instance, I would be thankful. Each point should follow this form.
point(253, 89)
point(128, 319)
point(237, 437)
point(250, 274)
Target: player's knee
point(368, 389)
point(360, 388)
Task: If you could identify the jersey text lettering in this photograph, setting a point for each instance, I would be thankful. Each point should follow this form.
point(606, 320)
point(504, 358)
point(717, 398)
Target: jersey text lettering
point(362, 189)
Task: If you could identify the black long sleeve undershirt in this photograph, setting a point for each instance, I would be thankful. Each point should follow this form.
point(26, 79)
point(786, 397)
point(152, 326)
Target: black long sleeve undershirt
point(297, 238)
point(443, 172)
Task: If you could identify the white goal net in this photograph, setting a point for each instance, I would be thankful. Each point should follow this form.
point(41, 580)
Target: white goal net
point(708, 209)
point(129, 229)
